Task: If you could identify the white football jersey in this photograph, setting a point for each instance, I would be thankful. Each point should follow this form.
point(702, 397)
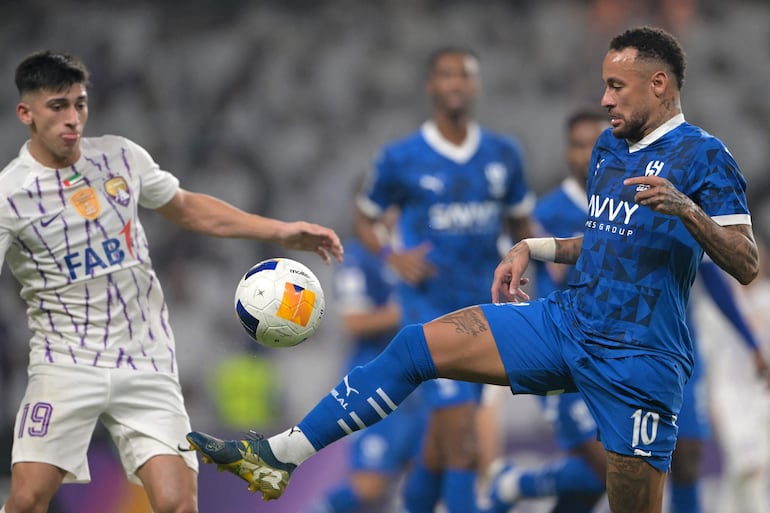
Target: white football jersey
point(73, 239)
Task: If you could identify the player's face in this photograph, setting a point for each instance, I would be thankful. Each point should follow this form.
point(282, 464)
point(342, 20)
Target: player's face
point(56, 120)
point(454, 84)
point(628, 94)
point(580, 143)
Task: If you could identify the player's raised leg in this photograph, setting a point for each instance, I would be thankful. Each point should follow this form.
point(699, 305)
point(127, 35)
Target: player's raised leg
point(459, 346)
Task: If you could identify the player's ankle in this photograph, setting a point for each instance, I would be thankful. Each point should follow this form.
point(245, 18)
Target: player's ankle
point(291, 446)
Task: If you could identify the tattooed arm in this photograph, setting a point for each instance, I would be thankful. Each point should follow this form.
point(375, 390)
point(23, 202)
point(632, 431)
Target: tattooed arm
point(508, 278)
point(731, 247)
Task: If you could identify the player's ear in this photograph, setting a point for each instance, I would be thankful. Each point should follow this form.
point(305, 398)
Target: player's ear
point(659, 82)
point(24, 113)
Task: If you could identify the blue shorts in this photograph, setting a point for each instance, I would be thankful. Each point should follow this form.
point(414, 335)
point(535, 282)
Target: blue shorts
point(634, 399)
point(444, 393)
point(572, 422)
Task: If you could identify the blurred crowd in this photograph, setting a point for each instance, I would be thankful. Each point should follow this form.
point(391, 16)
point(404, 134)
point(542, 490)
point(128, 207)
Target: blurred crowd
point(277, 106)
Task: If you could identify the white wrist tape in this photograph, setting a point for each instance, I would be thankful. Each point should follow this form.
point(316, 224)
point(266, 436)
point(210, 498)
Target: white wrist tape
point(543, 249)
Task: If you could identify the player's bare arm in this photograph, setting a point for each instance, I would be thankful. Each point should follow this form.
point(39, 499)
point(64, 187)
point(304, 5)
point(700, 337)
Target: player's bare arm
point(732, 247)
point(508, 277)
point(568, 250)
point(211, 216)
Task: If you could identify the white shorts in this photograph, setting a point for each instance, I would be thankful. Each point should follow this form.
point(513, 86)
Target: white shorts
point(143, 411)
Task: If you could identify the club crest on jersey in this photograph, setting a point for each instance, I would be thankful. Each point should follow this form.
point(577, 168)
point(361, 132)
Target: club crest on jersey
point(117, 189)
point(496, 173)
point(654, 167)
point(86, 202)
point(432, 183)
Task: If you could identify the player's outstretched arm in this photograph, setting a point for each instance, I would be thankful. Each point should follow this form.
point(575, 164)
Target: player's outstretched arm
point(732, 247)
point(211, 216)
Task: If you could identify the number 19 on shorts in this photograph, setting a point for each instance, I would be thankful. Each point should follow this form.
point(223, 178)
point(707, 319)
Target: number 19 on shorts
point(35, 419)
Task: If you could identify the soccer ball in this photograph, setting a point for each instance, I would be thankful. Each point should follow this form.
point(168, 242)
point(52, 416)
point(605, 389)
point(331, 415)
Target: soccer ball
point(279, 302)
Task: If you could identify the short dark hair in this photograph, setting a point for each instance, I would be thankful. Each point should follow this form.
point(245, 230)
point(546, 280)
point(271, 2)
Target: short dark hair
point(654, 43)
point(586, 114)
point(55, 71)
point(439, 52)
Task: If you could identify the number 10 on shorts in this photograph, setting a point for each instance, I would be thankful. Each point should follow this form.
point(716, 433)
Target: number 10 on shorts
point(645, 427)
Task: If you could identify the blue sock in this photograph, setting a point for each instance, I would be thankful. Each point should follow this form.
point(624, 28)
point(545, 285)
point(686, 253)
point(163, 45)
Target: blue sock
point(684, 498)
point(370, 393)
point(421, 489)
point(459, 490)
point(569, 475)
point(341, 499)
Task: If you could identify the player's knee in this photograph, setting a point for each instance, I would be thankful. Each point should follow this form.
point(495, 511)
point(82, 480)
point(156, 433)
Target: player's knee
point(172, 504)
point(27, 501)
point(409, 348)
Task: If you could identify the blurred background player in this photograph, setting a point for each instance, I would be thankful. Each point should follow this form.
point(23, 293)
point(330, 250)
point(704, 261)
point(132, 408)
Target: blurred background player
point(458, 189)
point(578, 479)
point(740, 401)
point(365, 298)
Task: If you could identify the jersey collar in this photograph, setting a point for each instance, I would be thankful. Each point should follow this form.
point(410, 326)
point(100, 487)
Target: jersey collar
point(656, 134)
point(459, 154)
point(575, 193)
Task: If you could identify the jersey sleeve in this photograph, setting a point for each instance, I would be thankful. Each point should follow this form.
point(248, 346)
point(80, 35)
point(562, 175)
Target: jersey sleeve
point(157, 187)
point(351, 290)
point(381, 189)
point(722, 194)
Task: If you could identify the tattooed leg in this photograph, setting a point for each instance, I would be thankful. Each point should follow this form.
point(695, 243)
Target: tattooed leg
point(633, 485)
point(462, 347)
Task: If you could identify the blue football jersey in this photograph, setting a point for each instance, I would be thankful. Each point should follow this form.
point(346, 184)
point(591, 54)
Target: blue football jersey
point(636, 266)
point(455, 199)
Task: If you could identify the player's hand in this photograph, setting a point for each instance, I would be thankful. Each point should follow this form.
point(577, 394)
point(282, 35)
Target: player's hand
point(304, 236)
point(508, 278)
point(660, 195)
point(413, 265)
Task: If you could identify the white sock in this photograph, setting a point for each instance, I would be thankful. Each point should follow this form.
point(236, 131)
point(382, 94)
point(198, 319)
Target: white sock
point(291, 446)
point(508, 486)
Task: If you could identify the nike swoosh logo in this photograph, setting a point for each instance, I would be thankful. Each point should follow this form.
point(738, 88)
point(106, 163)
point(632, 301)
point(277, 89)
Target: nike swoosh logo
point(46, 222)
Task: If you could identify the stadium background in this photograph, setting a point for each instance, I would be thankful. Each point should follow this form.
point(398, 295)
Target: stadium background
point(277, 106)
